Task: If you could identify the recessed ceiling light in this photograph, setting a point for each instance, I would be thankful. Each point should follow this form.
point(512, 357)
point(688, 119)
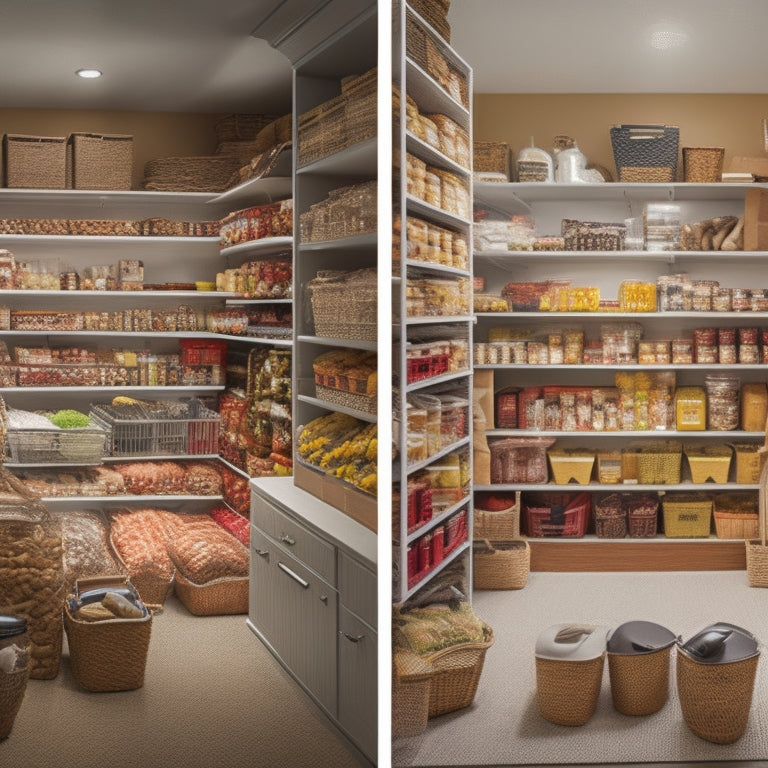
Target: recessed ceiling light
point(88, 73)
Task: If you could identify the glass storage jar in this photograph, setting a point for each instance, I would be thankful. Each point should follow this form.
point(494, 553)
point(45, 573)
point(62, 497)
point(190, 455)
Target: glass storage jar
point(722, 401)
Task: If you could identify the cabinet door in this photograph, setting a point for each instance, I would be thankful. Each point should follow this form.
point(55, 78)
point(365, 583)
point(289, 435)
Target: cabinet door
point(305, 608)
point(358, 681)
point(262, 603)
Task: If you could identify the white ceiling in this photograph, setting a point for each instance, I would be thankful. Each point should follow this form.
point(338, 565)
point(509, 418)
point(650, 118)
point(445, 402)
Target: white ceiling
point(199, 55)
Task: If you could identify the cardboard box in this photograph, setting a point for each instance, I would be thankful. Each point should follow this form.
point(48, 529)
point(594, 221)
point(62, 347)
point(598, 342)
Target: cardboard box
point(346, 498)
point(757, 166)
point(756, 220)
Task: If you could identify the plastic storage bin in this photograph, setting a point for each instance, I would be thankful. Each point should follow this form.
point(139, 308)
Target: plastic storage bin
point(716, 671)
point(638, 665)
point(569, 672)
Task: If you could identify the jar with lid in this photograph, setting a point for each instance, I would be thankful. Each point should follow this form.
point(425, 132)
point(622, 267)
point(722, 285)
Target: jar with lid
point(722, 401)
point(14, 669)
point(740, 300)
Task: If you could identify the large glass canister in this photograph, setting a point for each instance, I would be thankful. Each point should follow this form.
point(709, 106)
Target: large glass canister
point(14, 669)
point(722, 401)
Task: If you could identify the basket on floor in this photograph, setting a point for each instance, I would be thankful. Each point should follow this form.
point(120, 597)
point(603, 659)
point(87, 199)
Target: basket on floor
point(757, 550)
point(455, 674)
point(220, 597)
point(569, 672)
point(639, 655)
point(501, 564)
point(411, 682)
point(108, 655)
point(716, 693)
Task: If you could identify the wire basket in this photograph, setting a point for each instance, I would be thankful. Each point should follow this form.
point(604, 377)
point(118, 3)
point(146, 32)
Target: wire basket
point(85, 445)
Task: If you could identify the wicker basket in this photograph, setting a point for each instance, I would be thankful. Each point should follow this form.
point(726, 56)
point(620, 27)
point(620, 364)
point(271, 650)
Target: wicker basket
point(749, 462)
point(501, 564)
point(736, 516)
point(757, 550)
point(344, 305)
point(557, 514)
point(703, 164)
point(491, 156)
point(241, 127)
point(687, 515)
point(360, 107)
point(411, 682)
point(645, 153)
point(322, 130)
point(35, 162)
point(99, 161)
point(221, 597)
point(642, 514)
point(716, 698)
point(455, 674)
point(85, 445)
point(610, 516)
point(709, 462)
point(12, 688)
point(660, 462)
point(497, 525)
point(152, 589)
point(190, 174)
point(435, 13)
point(108, 655)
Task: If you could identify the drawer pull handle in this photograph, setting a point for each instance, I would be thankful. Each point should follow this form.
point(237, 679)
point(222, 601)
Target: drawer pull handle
point(352, 638)
point(286, 539)
point(295, 576)
point(262, 552)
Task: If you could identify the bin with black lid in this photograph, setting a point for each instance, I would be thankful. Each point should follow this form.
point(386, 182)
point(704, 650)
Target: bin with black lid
point(569, 672)
point(638, 665)
point(14, 669)
point(716, 671)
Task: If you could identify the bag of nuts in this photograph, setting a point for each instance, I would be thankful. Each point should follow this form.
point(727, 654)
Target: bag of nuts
point(31, 572)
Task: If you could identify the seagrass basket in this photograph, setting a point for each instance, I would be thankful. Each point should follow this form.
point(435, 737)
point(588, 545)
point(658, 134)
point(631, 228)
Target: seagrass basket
point(703, 164)
point(344, 304)
point(220, 597)
point(610, 516)
point(501, 564)
point(716, 693)
point(411, 682)
point(99, 161)
point(639, 654)
point(241, 127)
point(190, 174)
point(35, 162)
point(12, 688)
point(757, 550)
point(569, 672)
point(108, 655)
point(497, 525)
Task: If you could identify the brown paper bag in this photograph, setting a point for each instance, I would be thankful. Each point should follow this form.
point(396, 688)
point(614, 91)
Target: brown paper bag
point(756, 220)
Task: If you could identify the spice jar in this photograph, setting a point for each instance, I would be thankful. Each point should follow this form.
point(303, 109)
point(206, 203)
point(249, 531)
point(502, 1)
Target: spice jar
point(722, 402)
point(14, 669)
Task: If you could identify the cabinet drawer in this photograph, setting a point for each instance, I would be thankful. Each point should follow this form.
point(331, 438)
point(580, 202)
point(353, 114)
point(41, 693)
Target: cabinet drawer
point(357, 588)
point(304, 545)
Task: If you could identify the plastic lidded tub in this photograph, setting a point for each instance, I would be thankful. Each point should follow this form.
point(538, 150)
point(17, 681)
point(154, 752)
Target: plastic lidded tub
point(572, 642)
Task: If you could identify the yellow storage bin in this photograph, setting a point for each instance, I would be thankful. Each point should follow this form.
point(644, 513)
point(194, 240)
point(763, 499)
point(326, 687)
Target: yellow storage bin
point(709, 462)
point(571, 464)
point(687, 515)
point(749, 462)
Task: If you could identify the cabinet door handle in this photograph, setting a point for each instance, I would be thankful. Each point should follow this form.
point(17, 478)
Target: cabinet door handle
point(286, 539)
point(262, 552)
point(295, 576)
point(352, 638)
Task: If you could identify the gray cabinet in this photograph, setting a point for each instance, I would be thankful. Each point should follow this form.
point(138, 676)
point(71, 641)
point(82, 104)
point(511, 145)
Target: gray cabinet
point(313, 602)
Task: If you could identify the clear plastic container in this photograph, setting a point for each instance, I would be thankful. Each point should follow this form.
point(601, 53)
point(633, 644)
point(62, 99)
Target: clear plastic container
point(722, 402)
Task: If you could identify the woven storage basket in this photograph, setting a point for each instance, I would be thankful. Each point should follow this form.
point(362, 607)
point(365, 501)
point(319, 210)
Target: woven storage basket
point(455, 674)
point(660, 462)
point(435, 13)
point(360, 101)
point(491, 156)
point(501, 564)
point(571, 465)
point(411, 682)
point(736, 516)
point(344, 305)
point(645, 153)
point(757, 550)
point(567, 691)
point(190, 174)
point(716, 698)
point(241, 127)
point(221, 597)
point(703, 164)
point(35, 162)
point(153, 590)
point(642, 515)
point(610, 516)
point(12, 688)
point(108, 655)
point(99, 161)
point(322, 130)
point(497, 525)
point(687, 515)
point(709, 462)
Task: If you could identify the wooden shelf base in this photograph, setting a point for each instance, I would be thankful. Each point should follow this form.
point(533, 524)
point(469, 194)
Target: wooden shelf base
point(637, 555)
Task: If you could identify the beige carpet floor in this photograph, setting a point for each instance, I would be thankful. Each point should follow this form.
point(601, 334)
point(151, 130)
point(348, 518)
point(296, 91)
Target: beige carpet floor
point(213, 697)
point(503, 726)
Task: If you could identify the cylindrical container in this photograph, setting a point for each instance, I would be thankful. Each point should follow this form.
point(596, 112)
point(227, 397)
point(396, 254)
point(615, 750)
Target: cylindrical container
point(749, 351)
point(726, 346)
point(716, 672)
point(569, 672)
point(14, 669)
point(638, 666)
point(721, 300)
point(722, 402)
point(740, 300)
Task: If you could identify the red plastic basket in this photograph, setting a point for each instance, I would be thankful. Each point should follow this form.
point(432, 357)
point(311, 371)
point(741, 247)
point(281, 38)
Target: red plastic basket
point(557, 514)
point(426, 367)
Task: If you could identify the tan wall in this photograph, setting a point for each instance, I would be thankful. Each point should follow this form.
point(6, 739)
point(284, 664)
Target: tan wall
point(733, 121)
point(155, 134)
